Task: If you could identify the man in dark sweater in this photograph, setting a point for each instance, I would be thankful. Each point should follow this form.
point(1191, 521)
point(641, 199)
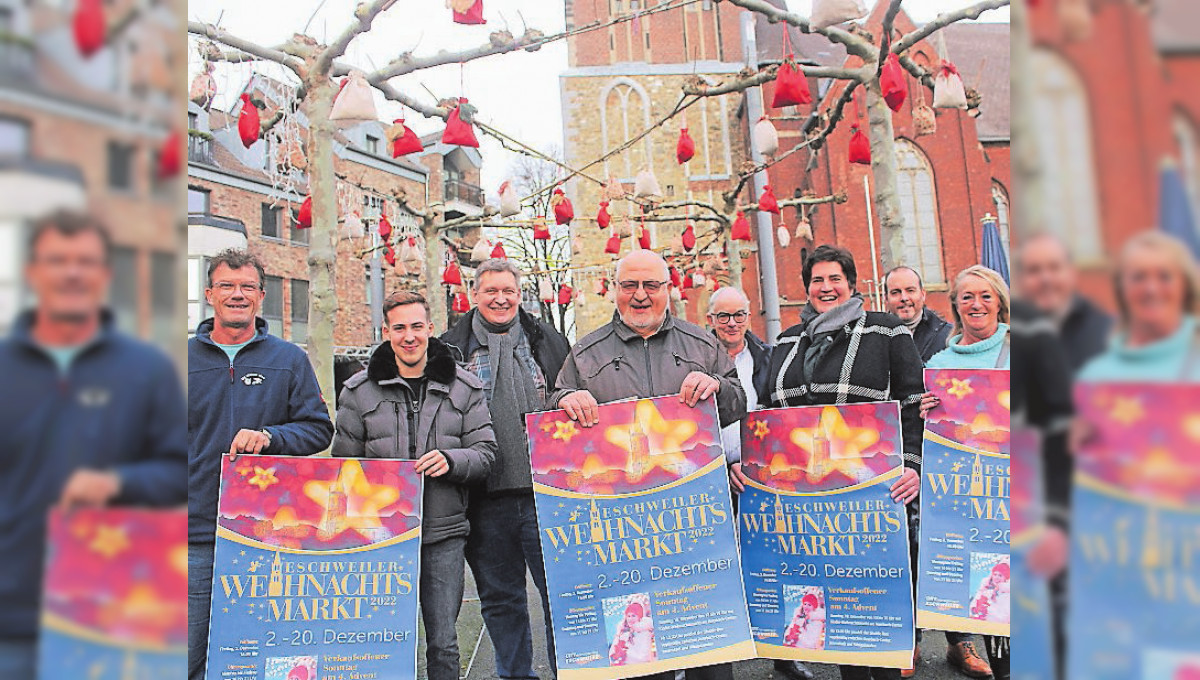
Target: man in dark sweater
point(906, 299)
point(517, 357)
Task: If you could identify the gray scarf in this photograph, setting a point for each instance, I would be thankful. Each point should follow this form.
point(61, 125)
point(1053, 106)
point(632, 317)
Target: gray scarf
point(512, 393)
point(822, 327)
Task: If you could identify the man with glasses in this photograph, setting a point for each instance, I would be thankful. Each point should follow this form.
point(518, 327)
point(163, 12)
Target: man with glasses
point(517, 357)
point(645, 352)
point(91, 417)
point(248, 392)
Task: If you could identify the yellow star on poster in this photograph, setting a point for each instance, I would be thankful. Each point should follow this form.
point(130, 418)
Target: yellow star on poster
point(761, 430)
point(564, 431)
point(666, 438)
point(109, 541)
point(960, 388)
point(1126, 410)
point(366, 500)
point(846, 444)
point(1005, 400)
point(548, 426)
point(264, 478)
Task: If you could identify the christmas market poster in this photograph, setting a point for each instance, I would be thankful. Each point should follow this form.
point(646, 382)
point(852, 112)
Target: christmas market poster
point(638, 538)
point(114, 601)
point(825, 551)
point(316, 570)
point(1134, 582)
point(964, 574)
point(1031, 613)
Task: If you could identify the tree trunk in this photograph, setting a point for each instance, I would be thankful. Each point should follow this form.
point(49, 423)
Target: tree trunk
point(322, 251)
point(883, 171)
point(438, 314)
point(735, 257)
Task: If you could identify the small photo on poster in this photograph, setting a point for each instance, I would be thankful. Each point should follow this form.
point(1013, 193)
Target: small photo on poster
point(991, 584)
point(630, 629)
point(1169, 664)
point(291, 668)
point(804, 607)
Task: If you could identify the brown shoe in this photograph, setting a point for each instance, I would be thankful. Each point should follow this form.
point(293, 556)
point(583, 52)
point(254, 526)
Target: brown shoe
point(912, 670)
point(964, 657)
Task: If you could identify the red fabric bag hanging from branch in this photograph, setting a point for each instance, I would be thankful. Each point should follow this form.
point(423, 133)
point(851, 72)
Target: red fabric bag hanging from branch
point(457, 130)
point(791, 87)
point(564, 212)
point(248, 122)
point(741, 228)
point(767, 201)
point(385, 227)
point(89, 26)
point(304, 214)
point(390, 256)
point(461, 304)
point(613, 245)
point(406, 141)
point(170, 156)
point(860, 147)
point(689, 237)
point(676, 279)
point(540, 231)
point(892, 82)
point(498, 252)
point(685, 148)
point(643, 237)
point(451, 275)
point(603, 219)
point(468, 12)
point(564, 294)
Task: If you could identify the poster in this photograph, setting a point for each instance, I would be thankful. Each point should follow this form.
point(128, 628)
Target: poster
point(825, 551)
point(637, 535)
point(1031, 611)
point(114, 596)
point(316, 568)
point(1135, 554)
point(964, 576)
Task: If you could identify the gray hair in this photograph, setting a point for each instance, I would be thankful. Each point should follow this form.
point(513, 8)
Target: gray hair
point(724, 292)
point(496, 264)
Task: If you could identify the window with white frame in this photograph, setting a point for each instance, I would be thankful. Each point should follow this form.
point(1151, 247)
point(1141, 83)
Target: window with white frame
point(1000, 200)
point(1069, 179)
point(272, 305)
point(918, 207)
point(624, 112)
point(196, 282)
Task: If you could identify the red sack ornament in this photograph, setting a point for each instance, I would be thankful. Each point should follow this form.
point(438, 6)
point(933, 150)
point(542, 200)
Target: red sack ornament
point(791, 88)
point(170, 157)
point(407, 142)
point(564, 294)
point(741, 228)
point(860, 148)
point(687, 282)
point(461, 304)
point(685, 148)
point(248, 122)
point(564, 212)
point(498, 252)
point(451, 276)
point(767, 201)
point(689, 237)
point(603, 219)
point(390, 256)
point(468, 12)
point(385, 227)
point(540, 231)
point(613, 245)
point(892, 82)
point(676, 279)
point(304, 214)
point(89, 26)
point(457, 130)
point(644, 238)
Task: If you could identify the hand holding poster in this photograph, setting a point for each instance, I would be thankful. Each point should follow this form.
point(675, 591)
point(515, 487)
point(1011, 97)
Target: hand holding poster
point(964, 579)
point(824, 547)
point(115, 595)
point(316, 569)
point(638, 540)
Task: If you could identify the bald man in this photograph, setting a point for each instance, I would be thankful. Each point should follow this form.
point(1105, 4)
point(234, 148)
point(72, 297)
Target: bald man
point(1046, 278)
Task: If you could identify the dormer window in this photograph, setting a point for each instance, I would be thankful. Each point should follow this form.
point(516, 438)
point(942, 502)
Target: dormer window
point(372, 145)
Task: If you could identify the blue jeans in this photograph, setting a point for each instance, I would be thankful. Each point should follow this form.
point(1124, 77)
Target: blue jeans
point(200, 574)
point(18, 659)
point(441, 594)
point(504, 542)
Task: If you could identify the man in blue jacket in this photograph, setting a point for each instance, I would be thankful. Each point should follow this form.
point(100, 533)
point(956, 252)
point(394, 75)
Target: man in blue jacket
point(89, 417)
point(248, 392)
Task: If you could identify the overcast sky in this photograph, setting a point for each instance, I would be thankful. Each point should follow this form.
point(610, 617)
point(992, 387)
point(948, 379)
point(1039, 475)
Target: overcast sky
point(518, 93)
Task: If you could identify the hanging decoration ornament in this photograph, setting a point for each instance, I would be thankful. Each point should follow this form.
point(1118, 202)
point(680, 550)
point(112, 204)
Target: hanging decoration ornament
point(892, 82)
point(698, 278)
point(304, 214)
point(685, 148)
point(688, 283)
point(643, 237)
point(826, 13)
point(482, 250)
point(458, 126)
point(498, 252)
point(603, 219)
point(924, 120)
point(461, 304)
point(860, 147)
point(613, 190)
point(741, 228)
point(676, 279)
point(510, 202)
point(804, 229)
point(170, 156)
point(784, 236)
point(412, 255)
point(385, 227)
point(613, 245)
point(468, 12)
point(249, 122)
point(354, 101)
point(948, 90)
point(402, 139)
point(451, 275)
point(688, 239)
point(600, 286)
point(89, 26)
point(352, 226)
point(540, 231)
point(791, 87)
point(564, 212)
point(546, 290)
point(390, 256)
point(646, 184)
point(767, 201)
point(766, 138)
point(565, 293)
point(204, 87)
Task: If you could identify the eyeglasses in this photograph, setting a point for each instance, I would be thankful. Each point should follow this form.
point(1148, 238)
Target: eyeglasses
point(226, 287)
point(650, 287)
point(724, 317)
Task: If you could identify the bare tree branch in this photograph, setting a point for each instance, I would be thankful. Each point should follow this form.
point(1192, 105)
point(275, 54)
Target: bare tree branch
point(501, 43)
point(839, 197)
point(854, 44)
point(944, 20)
point(889, 20)
point(220, 35)
point(766, 75)
point(364, 14)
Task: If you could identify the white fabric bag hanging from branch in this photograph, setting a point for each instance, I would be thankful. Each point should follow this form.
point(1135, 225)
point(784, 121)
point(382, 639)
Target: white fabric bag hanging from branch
point(355, 100)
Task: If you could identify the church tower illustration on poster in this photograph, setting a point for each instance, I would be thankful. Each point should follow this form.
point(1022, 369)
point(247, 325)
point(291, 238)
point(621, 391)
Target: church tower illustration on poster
point(597, 527)
point(275, 586)
point(780, 520)
point(639, 452)
point(977, 476)
point(333, 522)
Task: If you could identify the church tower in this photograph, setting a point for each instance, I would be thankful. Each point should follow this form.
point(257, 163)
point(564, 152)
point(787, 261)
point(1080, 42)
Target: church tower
point(596, 525)
point(275, 586)
point(780, 519)
point(977, 476)
point(333, 521)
